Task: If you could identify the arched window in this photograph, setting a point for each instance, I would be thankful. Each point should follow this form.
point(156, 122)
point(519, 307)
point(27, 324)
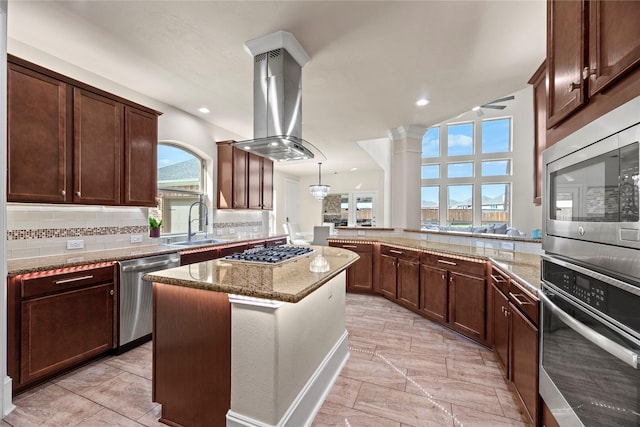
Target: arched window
point(180, 184)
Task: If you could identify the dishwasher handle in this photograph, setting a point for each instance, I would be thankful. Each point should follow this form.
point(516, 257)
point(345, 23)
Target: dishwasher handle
point(145, 267)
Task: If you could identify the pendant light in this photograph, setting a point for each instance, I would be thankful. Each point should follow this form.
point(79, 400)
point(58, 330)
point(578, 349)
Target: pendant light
point(319, 191)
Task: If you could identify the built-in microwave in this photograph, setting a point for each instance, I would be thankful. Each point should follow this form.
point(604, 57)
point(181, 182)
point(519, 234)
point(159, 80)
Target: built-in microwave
point(592, 191)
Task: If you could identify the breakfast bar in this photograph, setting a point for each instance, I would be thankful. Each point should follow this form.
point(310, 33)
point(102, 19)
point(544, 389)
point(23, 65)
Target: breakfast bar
point(241, 343)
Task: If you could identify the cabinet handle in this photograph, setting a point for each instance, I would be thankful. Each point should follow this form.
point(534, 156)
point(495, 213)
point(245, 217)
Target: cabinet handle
point(573, 86)
point(498, 279)
point(73, 279)
point(520, 302)
point(441, 261)
point(502, 307)
point(350, 246)
point(393, 251)
point(586, 72)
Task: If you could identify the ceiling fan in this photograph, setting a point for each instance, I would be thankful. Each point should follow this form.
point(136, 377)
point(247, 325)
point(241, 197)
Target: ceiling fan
point(493, 105)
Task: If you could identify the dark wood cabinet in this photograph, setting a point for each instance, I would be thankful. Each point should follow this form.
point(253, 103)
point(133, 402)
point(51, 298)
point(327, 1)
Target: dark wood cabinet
point(260, 182)
point(566, 54)
point(360, 273)
point(400, 275)
point(72, 143)
point(193, 256)
point(388, 276)
point(140, 158)
point(614, 41)
point(97, 143)
point(276, 241)
point(37, 144)
point(240, 179)
point(57, 321)
point(409, 282)
point(434, 291)
point(539, 83)
point(467, 305)
point(514, 314)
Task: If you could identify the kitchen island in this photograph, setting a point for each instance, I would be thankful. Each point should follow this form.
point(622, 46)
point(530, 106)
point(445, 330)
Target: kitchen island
point(243, 344)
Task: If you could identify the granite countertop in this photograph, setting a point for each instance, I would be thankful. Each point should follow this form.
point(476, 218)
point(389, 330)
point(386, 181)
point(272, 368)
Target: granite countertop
point(290, 281)
point(522, 266)
point(53, 262)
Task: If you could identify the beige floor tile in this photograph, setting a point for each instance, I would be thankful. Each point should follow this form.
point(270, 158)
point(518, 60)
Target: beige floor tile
point(331, 415)
point(87, 377)
point(150, 419)
point(108, 418)
point(476, 373)
point(344, 391)
point(474, 418)
point(136, 361)
point(51, 406)
point(375, 372)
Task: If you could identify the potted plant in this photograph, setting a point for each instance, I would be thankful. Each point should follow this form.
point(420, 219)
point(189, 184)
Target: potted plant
point(154, 227)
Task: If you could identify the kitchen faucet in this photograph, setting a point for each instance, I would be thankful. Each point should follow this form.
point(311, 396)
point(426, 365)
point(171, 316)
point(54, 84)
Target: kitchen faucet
point(206, 219)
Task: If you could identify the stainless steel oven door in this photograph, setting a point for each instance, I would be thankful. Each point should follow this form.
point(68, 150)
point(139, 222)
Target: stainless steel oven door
point(588, 367)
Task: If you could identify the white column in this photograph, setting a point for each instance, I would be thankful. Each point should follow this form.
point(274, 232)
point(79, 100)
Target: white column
point(406, 161)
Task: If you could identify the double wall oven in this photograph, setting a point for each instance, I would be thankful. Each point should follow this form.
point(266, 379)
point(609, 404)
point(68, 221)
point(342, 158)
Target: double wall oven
point(590, 292)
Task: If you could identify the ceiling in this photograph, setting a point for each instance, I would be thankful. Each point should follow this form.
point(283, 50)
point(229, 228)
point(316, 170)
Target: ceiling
point(370, 60)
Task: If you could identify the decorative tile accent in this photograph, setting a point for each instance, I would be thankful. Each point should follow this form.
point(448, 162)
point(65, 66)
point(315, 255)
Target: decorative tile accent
point(50, 233)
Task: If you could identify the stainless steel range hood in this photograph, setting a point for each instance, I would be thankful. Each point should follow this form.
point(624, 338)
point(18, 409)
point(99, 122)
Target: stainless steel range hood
point(277, 99)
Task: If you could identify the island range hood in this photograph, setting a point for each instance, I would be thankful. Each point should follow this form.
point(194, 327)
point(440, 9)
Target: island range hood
point(277, 99)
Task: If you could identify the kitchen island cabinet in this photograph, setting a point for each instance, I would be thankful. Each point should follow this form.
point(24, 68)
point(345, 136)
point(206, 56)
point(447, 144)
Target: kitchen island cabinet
point(360, 274)
point(238, 344)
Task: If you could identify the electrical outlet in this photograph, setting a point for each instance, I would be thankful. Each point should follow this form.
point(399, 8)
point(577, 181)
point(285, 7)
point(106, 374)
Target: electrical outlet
point(256, 229)
point(75, 244)
point(219, 231)
point(360, 233)
point(232, 231)
point(423, 237)
point(136, 238)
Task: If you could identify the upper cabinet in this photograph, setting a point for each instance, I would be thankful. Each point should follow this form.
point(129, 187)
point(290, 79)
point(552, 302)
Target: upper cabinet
point(539, 83)
point(71, 143)
point(590, 46)
point(245, 180)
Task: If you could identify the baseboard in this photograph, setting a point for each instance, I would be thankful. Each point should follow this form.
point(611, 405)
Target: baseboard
point(7, 395)
point(306, 405)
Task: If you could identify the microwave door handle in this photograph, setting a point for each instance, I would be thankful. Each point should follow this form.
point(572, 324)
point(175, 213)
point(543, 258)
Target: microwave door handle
point(611, 347)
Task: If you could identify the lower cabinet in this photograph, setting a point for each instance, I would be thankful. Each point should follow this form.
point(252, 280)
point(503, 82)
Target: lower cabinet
point(467, 302)
point(400, 275)
point(515, 337)
point(360, 273)
point(434, 291)
point(57, 321)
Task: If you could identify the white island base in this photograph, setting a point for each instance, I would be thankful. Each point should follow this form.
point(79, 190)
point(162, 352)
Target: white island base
point(284, 357)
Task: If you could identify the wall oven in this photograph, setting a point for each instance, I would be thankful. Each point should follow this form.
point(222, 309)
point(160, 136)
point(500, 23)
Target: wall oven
point(591, 182)
point(590, 341)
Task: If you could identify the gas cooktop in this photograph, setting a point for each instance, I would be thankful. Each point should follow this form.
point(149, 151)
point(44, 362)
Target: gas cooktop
point(273, 255)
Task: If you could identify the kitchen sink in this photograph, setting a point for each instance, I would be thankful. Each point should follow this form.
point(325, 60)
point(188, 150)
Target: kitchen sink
point(199, 242)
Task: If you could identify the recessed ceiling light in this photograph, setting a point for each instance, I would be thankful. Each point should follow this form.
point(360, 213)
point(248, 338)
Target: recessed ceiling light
point(475, 108)
point(422, 102)
point(353, 169)
point(204, 110)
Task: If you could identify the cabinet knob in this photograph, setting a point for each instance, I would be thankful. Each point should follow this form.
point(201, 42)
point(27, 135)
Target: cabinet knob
point(573, 86)
point(63, 193)
point(78, 193)
point(586, 72)
point(444, 277)
point(111, 292)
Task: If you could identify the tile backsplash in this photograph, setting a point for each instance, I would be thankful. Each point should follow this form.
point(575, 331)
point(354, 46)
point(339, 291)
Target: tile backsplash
point(40, 230)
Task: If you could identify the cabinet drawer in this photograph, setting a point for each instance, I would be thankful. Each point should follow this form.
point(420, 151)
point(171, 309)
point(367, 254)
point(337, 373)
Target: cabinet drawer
point(473, 268)
point(500, 280)
point(405, 254)
point(355, 247)
point(527, 303)
point(276, 242)
point(198, 255)
point(42, 283)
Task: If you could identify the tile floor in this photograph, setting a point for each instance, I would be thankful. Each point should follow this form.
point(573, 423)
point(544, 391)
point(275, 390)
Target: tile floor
point(403, 371)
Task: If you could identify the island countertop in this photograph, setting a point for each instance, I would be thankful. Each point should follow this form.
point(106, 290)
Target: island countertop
point(289, 281)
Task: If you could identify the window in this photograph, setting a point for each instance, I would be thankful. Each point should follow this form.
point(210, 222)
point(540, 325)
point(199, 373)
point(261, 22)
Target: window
point(495, 203)
point(496, 136)
point(460, 206)
point(431, 143)
point(430, 171)
point(460, 139)
point(180, 184)
point(430, 206)
point(475, 173)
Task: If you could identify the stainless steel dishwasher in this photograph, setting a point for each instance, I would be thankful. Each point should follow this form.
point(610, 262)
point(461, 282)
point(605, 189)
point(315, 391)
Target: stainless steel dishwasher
point(136, 299)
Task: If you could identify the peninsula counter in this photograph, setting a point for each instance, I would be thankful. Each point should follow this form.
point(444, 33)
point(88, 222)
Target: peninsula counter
point(240, 344)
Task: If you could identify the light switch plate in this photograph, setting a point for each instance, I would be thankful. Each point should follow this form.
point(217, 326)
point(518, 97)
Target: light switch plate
point(232, 231)
point(219, 231)
point(360, 233)
point(136, 238)
point(75, 244)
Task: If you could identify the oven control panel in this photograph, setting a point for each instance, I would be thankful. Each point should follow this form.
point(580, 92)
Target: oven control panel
point(584, 288)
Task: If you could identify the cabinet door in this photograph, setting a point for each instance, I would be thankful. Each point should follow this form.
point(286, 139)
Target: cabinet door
point(255, 181)
point(434, 293)
point(38, 149)
point(566, 51)
point(61, 330)
point(140, 158)
point(500, 317)
point(267, 184)
point(524, 360)
point(539, 83)
point(467, 305)
point(97, 148)
point(360, 277)
point(240, 174)
point(614, 41)
point(225, 176)
point(388, 276)
point(409, 283)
